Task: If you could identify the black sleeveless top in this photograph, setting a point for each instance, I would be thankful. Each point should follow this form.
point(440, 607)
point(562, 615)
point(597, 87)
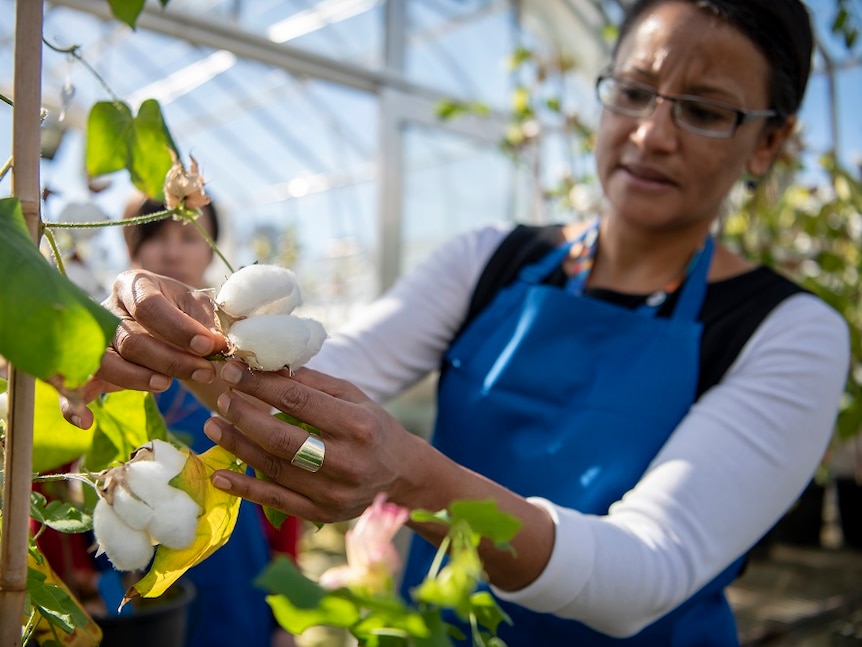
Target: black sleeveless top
point(732, 309)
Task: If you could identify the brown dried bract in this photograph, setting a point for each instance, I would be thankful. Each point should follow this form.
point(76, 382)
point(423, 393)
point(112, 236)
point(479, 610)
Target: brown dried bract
point(184, 188)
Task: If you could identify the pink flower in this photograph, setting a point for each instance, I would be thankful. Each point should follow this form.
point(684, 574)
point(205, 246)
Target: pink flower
point(371, 556)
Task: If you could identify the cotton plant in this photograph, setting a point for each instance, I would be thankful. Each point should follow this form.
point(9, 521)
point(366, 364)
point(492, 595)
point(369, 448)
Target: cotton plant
point(360, 596)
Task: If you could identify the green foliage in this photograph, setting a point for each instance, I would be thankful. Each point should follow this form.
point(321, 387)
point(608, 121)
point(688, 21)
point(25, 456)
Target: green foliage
point(49, 327)
point(54, 603)
point(384, 619)
point(846, 22)
point(59, 515)
point(125, 420)
point(141, 145)
point(813, 234)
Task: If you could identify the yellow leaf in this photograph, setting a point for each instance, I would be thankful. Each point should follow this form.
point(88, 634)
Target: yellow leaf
point(215, 525)
point(55, 441)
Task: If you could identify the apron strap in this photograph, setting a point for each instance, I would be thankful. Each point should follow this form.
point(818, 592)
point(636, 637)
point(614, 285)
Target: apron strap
point(694, 287)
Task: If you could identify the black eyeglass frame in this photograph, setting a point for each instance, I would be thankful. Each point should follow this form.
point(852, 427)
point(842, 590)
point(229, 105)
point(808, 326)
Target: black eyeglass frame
point(742, 116)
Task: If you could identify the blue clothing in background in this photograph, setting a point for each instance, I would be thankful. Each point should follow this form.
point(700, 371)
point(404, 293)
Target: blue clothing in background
point(228, 610)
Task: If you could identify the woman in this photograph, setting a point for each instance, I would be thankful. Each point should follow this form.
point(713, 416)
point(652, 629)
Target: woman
point(228, 609)
point(647, 402)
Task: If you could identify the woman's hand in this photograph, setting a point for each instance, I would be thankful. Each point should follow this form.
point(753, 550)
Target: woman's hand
point(165, 331)
point(366, 450)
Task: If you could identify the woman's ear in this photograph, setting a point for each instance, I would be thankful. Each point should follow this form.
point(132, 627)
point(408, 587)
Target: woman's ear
point(768, 147)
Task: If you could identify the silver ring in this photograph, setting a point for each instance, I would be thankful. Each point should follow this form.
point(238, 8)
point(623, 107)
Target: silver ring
point(310, 454)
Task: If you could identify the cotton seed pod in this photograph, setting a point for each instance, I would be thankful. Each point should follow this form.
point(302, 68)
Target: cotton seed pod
point(148, 480)
point(128, 507)
point(271, 342)
point(175, 520)
point(259, 289)
point(127, 548)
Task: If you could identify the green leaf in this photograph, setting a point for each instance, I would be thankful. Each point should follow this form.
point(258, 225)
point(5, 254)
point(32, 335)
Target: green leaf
point(488, 613)
point(486, 519)
point(299, 603)
point(149, 150)
point(55, 441)
point(125, 420)
point(54, 603)
point(109, 127)
point(128, 11)
point(59, 515)
point(296, 422)
point(49, 327)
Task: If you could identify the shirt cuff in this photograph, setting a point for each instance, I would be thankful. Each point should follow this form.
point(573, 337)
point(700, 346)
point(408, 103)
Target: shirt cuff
point(569, 568)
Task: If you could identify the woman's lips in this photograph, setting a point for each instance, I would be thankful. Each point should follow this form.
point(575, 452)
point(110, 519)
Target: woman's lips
point(647, 177)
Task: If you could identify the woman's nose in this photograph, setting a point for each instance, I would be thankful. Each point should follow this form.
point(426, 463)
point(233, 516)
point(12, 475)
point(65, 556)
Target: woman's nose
point(657, 130)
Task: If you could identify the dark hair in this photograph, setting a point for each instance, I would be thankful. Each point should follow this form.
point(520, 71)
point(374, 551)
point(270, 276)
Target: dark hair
point(137, 235)
point(780, 29)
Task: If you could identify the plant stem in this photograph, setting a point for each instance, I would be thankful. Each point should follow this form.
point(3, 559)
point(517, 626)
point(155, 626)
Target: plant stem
point(6, 167)
point(212, 244)
point(6, 99)
point(89, 478)
point(55, 251)
point(139, 220)
point(73, 52)
point(438, 558)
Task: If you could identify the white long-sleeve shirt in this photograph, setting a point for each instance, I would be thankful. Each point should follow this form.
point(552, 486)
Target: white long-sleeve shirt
point(733, 466)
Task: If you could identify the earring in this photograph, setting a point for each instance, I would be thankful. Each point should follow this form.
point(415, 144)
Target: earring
point(751, 183)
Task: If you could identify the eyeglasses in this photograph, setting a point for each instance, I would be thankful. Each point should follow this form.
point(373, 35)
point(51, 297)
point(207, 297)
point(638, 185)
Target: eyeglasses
point(694, 114)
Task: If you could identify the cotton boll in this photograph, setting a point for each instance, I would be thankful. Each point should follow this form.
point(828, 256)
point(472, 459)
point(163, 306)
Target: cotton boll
point(271, 342)
point(148, 480)
point(134, 512)
point(316, 336)
point(127, 548)
point(175, 520)
point(169, 456)
point(259, 289)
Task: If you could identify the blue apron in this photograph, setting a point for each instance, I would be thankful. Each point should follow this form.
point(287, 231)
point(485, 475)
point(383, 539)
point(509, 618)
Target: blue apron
point(570, 398)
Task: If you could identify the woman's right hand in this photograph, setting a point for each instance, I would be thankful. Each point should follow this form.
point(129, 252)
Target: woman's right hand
point(166, 331)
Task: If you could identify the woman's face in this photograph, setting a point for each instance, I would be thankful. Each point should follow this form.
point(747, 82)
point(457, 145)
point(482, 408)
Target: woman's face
point(656, 175)
point(177, 250)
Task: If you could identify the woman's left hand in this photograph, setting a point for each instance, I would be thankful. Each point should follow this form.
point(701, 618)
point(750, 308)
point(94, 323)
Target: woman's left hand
point(366, 450)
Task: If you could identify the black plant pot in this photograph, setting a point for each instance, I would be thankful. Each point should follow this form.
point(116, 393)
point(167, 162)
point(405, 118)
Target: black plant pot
point(155, 622)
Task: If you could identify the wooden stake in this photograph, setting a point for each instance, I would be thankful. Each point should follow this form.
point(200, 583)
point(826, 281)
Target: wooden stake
point(18, 460)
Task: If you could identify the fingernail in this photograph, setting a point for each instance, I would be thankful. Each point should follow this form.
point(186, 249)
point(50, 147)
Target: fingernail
point(160, 382)
point(224, 402)
point(231, 373)
point(76, 420)
point(213, 432)
point(200, 344)
point(203, 376)
point(220, 482)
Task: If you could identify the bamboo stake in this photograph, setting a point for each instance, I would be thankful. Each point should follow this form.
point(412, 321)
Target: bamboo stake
point(18, 459)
